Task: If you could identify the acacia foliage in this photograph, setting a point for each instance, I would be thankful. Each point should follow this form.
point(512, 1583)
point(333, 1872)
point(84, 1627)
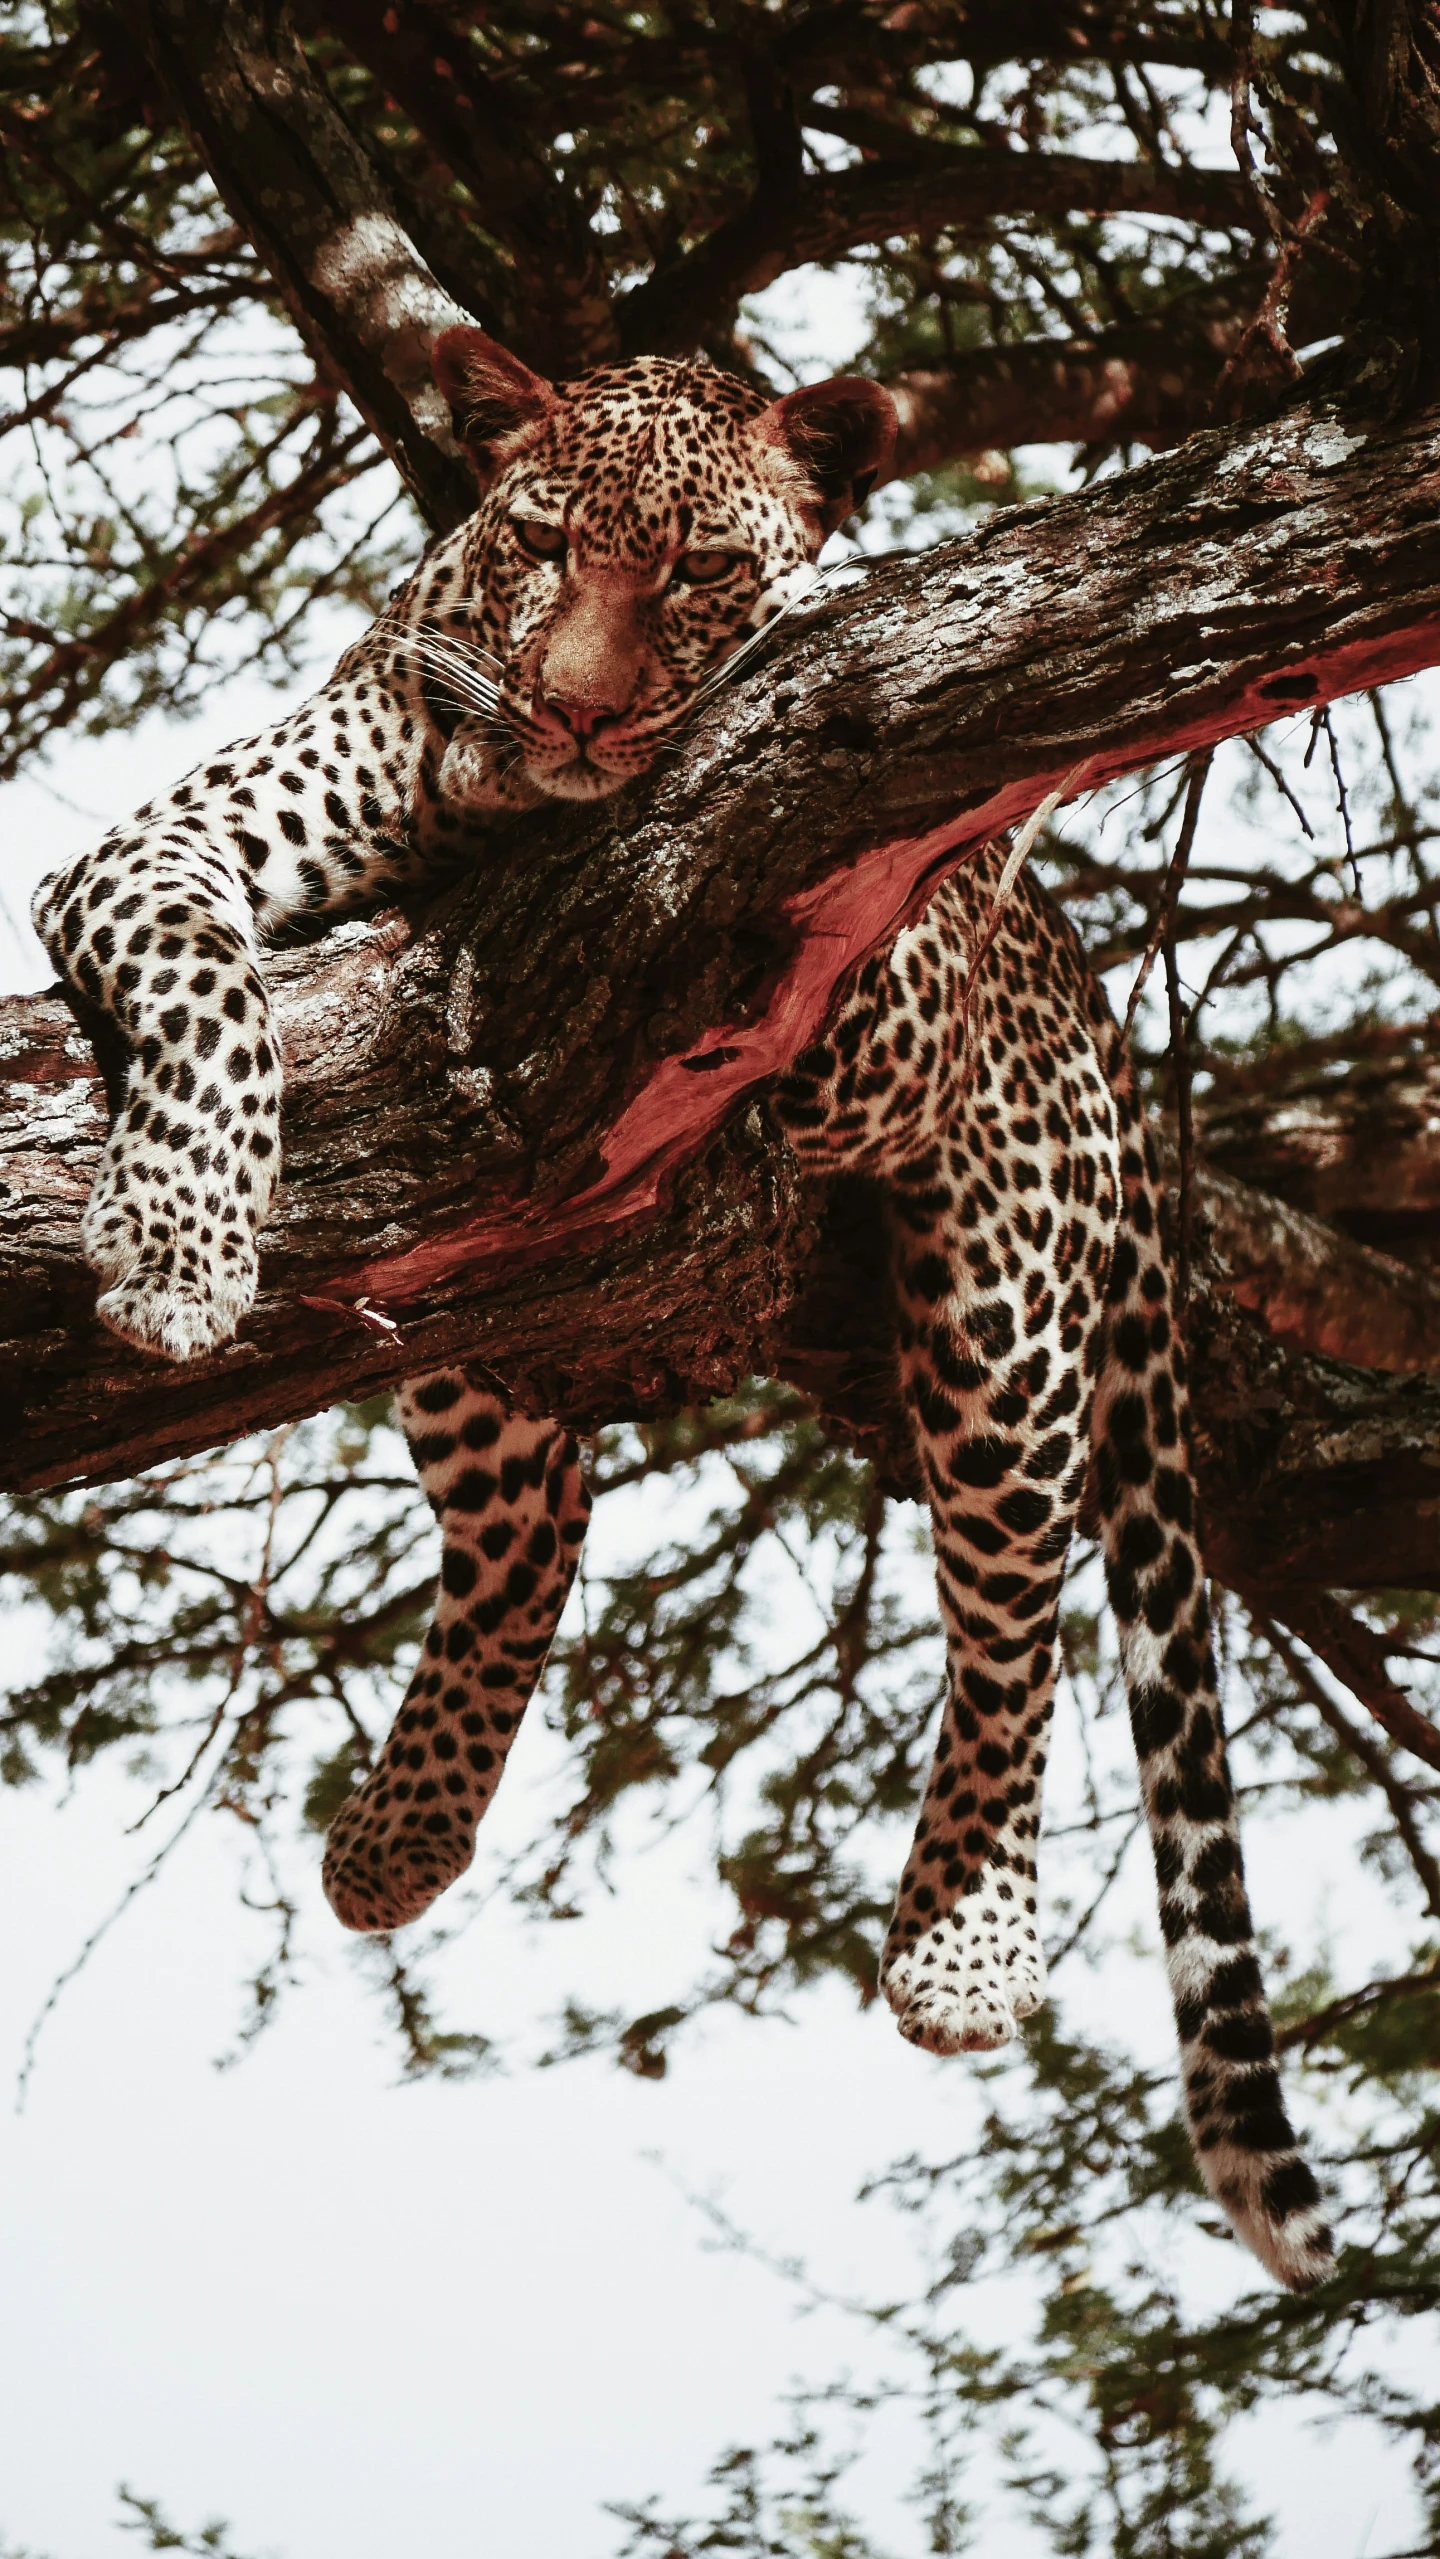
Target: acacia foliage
point(1030, 207)
point(766, 1672)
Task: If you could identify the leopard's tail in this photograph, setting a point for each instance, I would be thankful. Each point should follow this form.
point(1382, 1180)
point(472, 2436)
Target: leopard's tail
point(1243, 2141)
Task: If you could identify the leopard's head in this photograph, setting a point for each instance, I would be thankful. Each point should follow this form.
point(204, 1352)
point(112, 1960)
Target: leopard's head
point(635, 526)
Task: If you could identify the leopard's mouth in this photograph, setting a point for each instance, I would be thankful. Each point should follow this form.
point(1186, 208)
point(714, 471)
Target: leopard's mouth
point(580, 779)
point(591, 768)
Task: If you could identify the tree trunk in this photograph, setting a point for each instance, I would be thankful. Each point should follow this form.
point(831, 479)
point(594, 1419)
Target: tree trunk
point(523, 1127)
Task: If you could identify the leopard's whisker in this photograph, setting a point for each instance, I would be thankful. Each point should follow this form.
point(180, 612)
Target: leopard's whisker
point(441, 658)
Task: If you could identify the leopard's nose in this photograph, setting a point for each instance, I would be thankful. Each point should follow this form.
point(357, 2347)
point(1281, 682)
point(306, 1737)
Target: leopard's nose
point(580, 715)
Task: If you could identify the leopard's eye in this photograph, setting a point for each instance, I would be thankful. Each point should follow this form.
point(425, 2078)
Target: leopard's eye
point(707, 568)
point(542, 541)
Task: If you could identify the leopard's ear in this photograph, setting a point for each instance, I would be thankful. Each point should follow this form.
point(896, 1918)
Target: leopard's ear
point(495, 400)
point(841, 434)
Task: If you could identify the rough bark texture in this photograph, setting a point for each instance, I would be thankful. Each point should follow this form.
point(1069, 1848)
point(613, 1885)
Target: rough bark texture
point(524, 1127)
point(558, 313)
point(1312, 1284)
point(1356, 1147)
point(307, 196)
point(1311, 1473)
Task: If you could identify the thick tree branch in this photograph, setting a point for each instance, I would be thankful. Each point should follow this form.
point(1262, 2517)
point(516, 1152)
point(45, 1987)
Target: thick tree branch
point(301, 188)
point(1150, 382)
point(559, 315)
point(524, 1128)
point(1313, 1475)
point(825, 217)
point(1357, 1150)
point(1315, 1286)
point(1147, 385)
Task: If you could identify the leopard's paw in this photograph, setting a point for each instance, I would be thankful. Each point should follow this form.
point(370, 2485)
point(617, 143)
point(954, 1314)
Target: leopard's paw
point(182, 1315)
point(963, 1986)
point(112, 1232)
point(177, 1262)
point(384, 1864)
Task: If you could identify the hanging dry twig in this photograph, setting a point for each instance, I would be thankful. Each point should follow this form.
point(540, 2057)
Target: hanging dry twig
point(1373, 1760)
point(1358, 1658)
point(1173, 882)
point(1163, 931)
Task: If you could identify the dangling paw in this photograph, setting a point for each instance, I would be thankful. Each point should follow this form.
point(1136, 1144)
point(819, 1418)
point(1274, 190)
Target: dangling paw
point(181, 1319)
point(180, 1303)
point(965, 1983)
point(386, 1861)
point(180, 1262)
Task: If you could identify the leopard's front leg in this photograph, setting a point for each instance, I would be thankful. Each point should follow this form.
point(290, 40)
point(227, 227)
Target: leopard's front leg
point(155, 930)
point(513, 1505)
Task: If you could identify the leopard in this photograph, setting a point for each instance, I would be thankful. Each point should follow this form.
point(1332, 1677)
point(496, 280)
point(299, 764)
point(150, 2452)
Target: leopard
point(638, 527)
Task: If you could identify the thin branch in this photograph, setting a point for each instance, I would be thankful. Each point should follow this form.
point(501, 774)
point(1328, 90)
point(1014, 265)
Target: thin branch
point(1357, 1657)
point(1357, 2003)
point(1174, 881)
point(1180, 1031)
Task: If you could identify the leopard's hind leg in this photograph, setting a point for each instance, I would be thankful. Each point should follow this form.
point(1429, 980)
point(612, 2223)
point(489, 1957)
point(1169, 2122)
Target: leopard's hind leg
point(513, 1506)
point(993, 1128)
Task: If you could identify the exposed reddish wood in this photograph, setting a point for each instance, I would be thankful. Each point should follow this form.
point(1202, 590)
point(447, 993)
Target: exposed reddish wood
point(834, 926)
point(501, 1090)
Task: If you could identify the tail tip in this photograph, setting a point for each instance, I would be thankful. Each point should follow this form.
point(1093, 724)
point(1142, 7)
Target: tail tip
point(1292, 2240)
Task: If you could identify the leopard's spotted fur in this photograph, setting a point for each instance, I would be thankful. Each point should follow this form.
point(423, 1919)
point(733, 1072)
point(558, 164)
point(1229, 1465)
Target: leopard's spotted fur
point(633, 527)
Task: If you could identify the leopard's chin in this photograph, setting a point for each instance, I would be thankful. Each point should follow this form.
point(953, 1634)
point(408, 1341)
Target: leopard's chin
point(581, 780)
point(576, 782)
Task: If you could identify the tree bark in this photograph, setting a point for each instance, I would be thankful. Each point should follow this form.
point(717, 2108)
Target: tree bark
point(1357, 1150)
point(301, 188)
point(523, 1128)
point(557, 313)
point(1312, 1284)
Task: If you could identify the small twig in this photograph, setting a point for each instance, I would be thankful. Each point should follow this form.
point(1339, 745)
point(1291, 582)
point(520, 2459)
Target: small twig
point(1056, 1959)
point(359, 1309)
point(1242, 120)
point(1357, 2003)
point(1179, 1029)
point(1340, 793)
point(1268, 326)
point(1357, 1657)
point(1174, 881)
point(1281, 785)
point(1361, 1747)
point(63, 1980)
point(1184, 1118)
